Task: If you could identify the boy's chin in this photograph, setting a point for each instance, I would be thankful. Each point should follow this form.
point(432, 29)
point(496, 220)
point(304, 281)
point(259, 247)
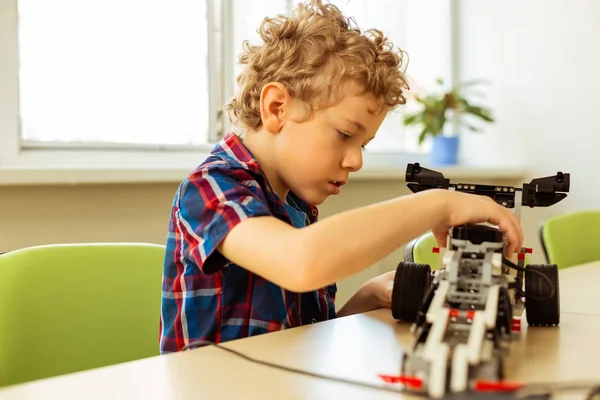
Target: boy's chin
point(318, 202)
point(313, 198)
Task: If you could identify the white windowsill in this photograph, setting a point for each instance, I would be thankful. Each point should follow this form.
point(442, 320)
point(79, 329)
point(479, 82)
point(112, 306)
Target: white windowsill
point(377, 167)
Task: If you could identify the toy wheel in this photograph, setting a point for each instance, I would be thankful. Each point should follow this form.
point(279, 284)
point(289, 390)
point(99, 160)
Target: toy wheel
point(410, 285)
point(540, 309)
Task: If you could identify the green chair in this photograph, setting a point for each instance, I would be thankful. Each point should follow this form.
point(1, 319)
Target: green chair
point(571, 238)
point(420, 251)
point(69, 308)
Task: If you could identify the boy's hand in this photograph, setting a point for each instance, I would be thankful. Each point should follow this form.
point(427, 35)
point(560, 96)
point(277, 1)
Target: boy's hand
point(381, 288)
point(463, 208)
point(374, 294)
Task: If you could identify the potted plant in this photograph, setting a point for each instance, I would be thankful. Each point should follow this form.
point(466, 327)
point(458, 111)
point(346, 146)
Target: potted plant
point(440, 110)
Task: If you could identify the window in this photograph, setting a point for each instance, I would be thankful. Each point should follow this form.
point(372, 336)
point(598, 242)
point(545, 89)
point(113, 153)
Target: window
point(114, 71)
point(147, 75)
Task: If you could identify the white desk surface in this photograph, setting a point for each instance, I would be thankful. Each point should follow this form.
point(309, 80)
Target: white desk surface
point(356, 347)
point(580, 289)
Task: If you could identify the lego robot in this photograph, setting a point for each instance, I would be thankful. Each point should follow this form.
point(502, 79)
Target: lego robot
point(465, 314)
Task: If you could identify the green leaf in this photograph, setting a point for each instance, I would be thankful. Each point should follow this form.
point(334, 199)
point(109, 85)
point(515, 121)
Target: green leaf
point(471, 83)
point(437, 125)
point(472, 128)
point(422, 136)
point(483, 113)
point(413, 119)
point(419, 99)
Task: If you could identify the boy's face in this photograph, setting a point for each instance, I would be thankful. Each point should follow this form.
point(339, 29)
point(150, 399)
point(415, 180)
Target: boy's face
point(314, 157)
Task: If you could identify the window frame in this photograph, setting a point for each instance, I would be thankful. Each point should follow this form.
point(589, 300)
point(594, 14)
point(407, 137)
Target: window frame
point(18, 154)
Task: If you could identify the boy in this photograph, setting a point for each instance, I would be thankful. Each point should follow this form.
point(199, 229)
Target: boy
point(245, 253)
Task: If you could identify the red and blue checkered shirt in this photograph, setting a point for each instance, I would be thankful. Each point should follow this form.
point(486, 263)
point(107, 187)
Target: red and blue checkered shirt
point(204, 295)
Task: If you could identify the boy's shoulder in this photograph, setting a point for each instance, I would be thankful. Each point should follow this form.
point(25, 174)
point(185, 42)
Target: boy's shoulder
point(231, 174)
point(229, 154)
point(229, 164)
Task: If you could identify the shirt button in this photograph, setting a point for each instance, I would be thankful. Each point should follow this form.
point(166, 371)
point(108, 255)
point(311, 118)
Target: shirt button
point(314, 213)
point(313, 321)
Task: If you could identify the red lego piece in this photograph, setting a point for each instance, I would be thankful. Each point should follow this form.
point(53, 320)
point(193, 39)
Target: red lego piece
point(435, 250)
point(526, 250)
point(500, 386)
point(412, 381)
point(516, 325)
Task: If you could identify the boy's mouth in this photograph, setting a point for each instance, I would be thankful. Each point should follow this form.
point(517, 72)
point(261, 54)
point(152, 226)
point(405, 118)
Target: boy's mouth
point(335, 186)
point(338, 183)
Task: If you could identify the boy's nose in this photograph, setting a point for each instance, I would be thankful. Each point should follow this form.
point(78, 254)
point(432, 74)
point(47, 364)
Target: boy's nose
point(353, 160)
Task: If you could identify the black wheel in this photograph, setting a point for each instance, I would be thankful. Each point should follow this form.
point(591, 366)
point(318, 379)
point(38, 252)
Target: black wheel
point(542, 301)
point(410, 285)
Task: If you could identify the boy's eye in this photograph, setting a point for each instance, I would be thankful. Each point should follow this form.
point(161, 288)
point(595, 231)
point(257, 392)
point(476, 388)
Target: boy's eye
point(344, 136)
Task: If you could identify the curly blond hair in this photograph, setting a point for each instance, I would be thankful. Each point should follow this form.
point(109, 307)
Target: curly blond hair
point(315, 54)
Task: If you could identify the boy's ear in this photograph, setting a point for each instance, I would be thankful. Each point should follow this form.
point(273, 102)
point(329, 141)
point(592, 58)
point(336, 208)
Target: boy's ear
point(274, 99)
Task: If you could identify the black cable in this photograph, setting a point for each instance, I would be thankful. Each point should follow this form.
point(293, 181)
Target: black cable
point(531, 390)
point(512, 265)
point(203, 343)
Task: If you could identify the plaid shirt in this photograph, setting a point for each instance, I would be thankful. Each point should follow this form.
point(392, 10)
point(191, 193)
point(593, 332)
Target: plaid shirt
point(204, 296)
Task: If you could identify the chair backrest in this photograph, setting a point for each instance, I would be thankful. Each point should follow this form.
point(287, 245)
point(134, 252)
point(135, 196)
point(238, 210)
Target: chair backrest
point(68, 308)
point(571, 238)
point(420, 251)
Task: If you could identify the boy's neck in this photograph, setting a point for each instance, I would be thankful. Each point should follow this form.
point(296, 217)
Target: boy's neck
point(261, 145)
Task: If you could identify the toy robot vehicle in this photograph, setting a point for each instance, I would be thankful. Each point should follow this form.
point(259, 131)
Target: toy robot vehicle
point(465, 313)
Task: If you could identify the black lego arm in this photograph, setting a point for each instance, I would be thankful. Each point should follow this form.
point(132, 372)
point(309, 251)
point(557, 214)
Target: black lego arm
point(419, 178)
point(540, 192)
point(544, 192)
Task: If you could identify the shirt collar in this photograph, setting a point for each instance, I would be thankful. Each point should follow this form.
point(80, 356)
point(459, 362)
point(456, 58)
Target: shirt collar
point(232, 150)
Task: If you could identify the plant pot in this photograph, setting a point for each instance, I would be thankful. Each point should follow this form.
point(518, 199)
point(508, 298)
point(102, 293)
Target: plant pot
point(444, 151)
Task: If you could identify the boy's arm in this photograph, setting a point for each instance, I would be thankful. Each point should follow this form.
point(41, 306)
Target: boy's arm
point(374, 294)
point(361, 301)
point(334, 248)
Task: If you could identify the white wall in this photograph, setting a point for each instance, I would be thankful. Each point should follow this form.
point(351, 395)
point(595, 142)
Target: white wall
point(543, 58)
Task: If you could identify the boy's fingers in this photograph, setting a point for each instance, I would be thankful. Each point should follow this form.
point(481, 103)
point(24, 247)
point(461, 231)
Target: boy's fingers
point(514, 242)
point(441, 238)
point(511, 226)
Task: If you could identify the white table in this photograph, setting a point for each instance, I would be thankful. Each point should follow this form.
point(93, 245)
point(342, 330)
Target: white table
point(579, 289)
point(356, 347)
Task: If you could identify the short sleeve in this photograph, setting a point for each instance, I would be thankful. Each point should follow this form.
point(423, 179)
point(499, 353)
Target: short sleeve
point(212, 201)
